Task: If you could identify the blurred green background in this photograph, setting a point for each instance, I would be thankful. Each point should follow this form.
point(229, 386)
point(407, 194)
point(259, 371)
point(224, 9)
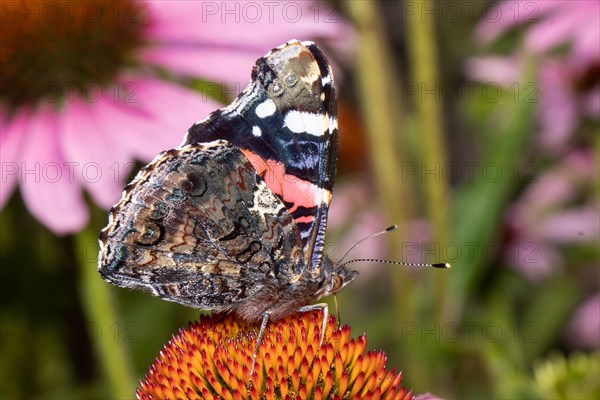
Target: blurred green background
point(472, 125)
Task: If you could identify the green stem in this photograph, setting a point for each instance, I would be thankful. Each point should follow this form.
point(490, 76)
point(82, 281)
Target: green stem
point(424, 62)
point(381, 109)
point(102, 317)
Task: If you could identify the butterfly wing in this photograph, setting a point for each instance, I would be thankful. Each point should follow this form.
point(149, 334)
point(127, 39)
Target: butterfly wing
point(285, 122)
point(199, 227)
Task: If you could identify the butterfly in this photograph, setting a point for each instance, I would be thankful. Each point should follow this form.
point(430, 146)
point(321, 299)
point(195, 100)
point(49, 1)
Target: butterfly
point(234, 219)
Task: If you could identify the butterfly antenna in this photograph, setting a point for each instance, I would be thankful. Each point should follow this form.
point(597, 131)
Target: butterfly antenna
point(407, 264)
point(390, 229)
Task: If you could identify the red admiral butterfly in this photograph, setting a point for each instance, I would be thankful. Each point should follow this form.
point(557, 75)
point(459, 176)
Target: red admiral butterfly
point(234, 219)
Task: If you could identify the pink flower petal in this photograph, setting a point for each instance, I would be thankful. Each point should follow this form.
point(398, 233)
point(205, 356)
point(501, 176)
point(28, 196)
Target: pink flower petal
point(141, 136)
point(239, 25)
point(348, 200)
point(177, 107)
point(48, 185)
point(552, 189)
point(99, 159)
point(584, 328)
point(533, 258)
point(591, 103)
point(504, 71)
point(101, 138)
point(500, 17)
point(12, 133)
point(581, 165)
point(555, 29)
point(220, 41)
point(216, 64)
point(573, 226)
point(586, 40)
point(232, 69)
point(557, 108)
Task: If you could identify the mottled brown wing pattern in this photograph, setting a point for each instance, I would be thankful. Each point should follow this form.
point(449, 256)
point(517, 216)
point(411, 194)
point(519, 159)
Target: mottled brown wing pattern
point(199, 227)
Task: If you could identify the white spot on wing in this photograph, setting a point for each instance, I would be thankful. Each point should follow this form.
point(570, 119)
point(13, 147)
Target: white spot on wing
point(256, 131)
point(332, 123)
point(305, 122)
point(266, 108)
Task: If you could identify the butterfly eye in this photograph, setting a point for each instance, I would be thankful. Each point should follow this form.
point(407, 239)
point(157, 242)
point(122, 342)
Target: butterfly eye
point(291, 80)
point(337, 283)
point(277, 88)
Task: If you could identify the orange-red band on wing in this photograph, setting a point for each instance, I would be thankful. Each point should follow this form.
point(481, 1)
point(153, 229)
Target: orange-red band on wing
point(290, 188)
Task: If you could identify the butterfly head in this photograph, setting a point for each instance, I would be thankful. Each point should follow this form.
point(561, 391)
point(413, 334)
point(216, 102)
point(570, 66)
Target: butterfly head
point(335, 277)
point(340, 278)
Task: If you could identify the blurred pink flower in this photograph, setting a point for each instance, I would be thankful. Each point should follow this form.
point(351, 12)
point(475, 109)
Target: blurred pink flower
point(569, 89)
point(583, 331)
point(557, 209)
point(552, 212)
point(553, 22)
point(118, 100)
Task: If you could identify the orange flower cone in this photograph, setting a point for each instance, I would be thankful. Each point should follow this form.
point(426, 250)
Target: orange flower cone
point(212, 358)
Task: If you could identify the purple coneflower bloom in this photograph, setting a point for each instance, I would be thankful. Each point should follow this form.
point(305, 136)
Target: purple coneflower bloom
point(88, 87)
point(555, 210)
point(569, 89)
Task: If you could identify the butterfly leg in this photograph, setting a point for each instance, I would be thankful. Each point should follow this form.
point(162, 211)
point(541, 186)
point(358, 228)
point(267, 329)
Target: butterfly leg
point(320, 306)
point(261, 332)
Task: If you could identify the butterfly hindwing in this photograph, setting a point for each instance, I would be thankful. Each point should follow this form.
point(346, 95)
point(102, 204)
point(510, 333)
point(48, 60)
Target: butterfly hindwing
point(198, 226)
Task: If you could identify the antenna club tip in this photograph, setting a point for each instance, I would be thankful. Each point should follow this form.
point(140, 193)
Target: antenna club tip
point(441, 265)
point(392, 228)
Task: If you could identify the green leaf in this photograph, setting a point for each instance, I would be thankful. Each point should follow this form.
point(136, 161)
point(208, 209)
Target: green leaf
point(479, 205)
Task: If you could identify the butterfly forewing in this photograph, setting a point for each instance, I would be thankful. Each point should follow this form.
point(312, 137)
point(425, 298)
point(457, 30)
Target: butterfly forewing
point(285, 123)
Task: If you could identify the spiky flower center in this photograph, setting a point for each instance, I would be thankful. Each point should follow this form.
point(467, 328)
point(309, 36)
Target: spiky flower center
point(213, 358)
point(55, 49)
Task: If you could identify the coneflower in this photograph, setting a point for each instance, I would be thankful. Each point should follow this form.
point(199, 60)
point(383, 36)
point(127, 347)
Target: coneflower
point(212, 358)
